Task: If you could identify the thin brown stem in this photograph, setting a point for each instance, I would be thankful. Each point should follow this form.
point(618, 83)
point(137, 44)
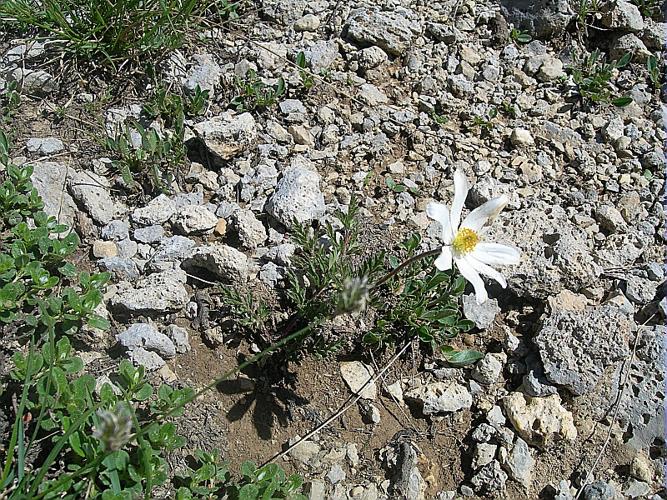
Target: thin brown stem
point(403, 265)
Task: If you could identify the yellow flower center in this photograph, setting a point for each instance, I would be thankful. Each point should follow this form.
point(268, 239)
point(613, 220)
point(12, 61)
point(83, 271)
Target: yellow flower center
point(465, 240)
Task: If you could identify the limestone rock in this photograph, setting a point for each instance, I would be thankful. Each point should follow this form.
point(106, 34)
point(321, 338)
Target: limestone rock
point(539, 421)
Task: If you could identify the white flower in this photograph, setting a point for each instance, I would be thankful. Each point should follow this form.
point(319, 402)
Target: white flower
point(463, 240)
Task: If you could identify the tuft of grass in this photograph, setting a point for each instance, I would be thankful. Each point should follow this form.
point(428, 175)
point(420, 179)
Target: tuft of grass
point(111, 32)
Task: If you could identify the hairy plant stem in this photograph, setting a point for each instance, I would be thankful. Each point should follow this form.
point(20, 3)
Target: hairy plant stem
point(404, 264)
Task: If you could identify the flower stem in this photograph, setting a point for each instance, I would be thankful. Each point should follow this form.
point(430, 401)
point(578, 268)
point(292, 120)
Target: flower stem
point(404, 264)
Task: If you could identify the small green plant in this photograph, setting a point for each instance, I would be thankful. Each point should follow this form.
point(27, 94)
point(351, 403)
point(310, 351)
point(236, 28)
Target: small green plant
point(586, 10)
point(654, 73)
point(196, 103)
point(651, 9)
point(485, 122)
point(249, 313)
point(592, 75)
point(10, 99)
point(423, 302)
point(150, 166)
point(508, 109)
point(211, 479)
point(520, 36)
point(439, 118)
point(254, 94)
point(307, 80)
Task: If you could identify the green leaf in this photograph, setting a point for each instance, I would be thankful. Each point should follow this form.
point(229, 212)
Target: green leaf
point(460, 358)
point(144, 392)
point(249, 492)
point(622, 101)
point(623, 61)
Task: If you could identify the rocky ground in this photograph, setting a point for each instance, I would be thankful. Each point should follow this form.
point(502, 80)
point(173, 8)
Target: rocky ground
point(407, 91)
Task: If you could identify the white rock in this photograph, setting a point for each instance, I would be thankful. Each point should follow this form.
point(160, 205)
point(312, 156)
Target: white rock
point(356, 374)
point(297, 197)
point(226, 263)
point(440, 397)
point(540, 421)
point(309, 22)
point(521, 137)
point(158, 211)
point(194, 219)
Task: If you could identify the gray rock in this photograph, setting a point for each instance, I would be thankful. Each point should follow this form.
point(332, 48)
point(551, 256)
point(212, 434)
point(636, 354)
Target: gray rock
point(127, 248)
point(148, 234)
point(610, 218)
point(483, 433)
point(92, 191)
point(227, 135)
point(541, 18)
point(45, 145)
point(629, 43)
point(250, 230)
point(150, 360)
point(270, 274)
point(155, 294)
point(158, 211)
point(481, 314)
point(171, 250)
point(194, 219)
point(146, 336)
point(179, 337)
point(305, 451)
point(321, 55)
point(556, 254)
point(281, 254)
point(372, 57)
point(401, 459)
point(577, 346)
point(309, 22)
point(440, 397)
point(120, 268)
point(490, 478)
point(392, 31)
point(372, 95)
point(519, 462)
point(643, 415)
point(622, 15)
point(599, 490)
point(204, 73)
point(336, 474)
point(636, 489)
point(284, 11)
point(50, 179)
point(289, 106)
point(297, 197)
point(116, 230)
point(226, 263)
point(484, 454)
point(488, 369)
point(640, 290)
point(356, 374)
point(35, 82)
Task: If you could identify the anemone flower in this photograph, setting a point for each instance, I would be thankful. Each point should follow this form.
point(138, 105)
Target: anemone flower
point(463, 244)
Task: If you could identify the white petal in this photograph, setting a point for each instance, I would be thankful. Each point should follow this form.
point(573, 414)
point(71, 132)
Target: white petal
point(444, 260)
point(482, 268)
point(472, 276)
point(495, 254)
point(440, 213)
point(488, 211)
point(460, 195)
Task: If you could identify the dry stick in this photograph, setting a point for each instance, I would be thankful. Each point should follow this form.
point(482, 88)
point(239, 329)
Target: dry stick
point(617, 403)
point(346, 406)
point(384, 386)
